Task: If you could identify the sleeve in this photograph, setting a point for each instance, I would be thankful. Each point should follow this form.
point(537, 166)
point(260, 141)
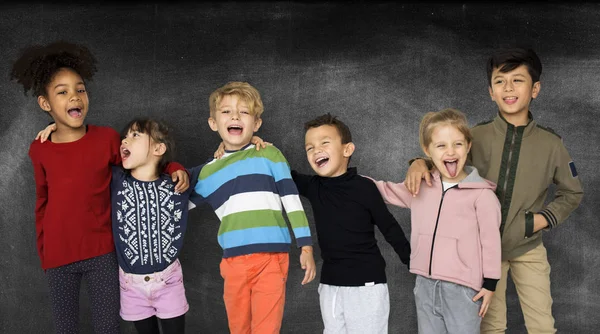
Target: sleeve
point(301, 181)
point(195, 199)
point(290, 198)
point(569, 191)
point(487, 208)
point(387, 224)
point(172, 167)
point(393, 193)
point(41, 199)
point(115, 148)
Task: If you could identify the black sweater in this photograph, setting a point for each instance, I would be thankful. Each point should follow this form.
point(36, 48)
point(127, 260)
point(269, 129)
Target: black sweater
point(346, 209)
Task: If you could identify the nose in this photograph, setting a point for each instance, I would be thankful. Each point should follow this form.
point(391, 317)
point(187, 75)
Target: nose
point(74, 97)
point(124, 141)
point(235, 115)
point(508, 87)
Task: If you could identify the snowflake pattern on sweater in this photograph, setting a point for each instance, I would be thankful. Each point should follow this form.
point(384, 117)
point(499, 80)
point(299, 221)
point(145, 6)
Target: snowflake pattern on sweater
point(149, 222)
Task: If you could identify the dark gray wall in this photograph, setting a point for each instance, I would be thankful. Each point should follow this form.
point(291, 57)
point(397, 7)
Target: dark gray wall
point(378, 66)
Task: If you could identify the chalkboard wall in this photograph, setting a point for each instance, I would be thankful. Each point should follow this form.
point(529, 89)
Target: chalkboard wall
point(378, 66)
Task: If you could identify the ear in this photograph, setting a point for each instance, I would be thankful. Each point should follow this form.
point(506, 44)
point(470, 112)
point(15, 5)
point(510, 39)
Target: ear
point(44, 104)
point(159, 149)
point(491, 92)
point(426, 151)
point(349, 149)
point(257, 124)
point(536, 89)
point(213, 124)
point(469, 147)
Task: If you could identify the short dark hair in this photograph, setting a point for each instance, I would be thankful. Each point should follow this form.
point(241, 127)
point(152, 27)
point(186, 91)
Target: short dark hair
point(510, 58)
point(38, 64)
point(159, 131)
point(328, 119)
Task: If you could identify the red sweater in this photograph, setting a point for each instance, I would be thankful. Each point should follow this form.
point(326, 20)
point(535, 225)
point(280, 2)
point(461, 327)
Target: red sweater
point(72, 209)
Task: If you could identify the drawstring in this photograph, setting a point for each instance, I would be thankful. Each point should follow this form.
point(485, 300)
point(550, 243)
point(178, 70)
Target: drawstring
point(334, 300)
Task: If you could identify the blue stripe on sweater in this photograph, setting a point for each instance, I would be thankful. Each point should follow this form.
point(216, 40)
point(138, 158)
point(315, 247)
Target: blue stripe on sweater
point(256, 235)
point(264, 166)
point(251, 183)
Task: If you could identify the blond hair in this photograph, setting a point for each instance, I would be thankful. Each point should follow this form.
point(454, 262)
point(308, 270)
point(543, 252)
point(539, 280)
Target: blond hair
point(243, 91)
point(447, 116)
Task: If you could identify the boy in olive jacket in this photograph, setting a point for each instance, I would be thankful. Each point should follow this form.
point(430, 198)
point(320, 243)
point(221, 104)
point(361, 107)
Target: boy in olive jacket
point(522, 158)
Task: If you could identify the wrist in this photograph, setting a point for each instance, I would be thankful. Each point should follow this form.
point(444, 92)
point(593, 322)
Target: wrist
point(307, 249)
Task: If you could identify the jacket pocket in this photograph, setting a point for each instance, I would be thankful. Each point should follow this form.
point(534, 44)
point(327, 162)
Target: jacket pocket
point(447, 261)
point(528, 224)
point(419, 257)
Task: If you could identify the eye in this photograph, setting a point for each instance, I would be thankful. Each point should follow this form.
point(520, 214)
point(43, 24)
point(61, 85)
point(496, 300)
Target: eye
point(226, 111)
point(62, 92)
point(325, 142)
point(81, 90)
point(440, 146)
point(498, 81)
point(518, 80)
point(244, 112)
point(309, 149)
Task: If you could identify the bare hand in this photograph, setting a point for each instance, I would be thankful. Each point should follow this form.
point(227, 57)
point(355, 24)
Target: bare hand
point(307, 262)
point(259, 142)
point(220, 151)
point(487, 298)
point(539, 222)
point(416, 172)
point(44, 134)
point(182, 179)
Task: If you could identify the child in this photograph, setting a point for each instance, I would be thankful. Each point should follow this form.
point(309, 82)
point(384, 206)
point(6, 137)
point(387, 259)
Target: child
point(246, 188)
point(149, 223)
point(353, 291)
point(72, 175)
point(455, 240)
point(523, 158)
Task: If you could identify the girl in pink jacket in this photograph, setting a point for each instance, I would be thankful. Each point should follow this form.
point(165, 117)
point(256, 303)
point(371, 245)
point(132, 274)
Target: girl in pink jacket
point(455, 230)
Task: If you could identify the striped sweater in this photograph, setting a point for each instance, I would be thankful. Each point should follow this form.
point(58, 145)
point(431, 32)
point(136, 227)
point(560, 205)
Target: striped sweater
point(248, 191)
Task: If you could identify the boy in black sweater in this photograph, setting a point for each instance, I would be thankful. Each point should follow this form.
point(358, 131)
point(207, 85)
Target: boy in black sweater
point(353, 292)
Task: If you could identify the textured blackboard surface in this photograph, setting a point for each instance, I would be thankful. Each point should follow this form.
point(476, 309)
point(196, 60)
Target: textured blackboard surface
point(379, 67)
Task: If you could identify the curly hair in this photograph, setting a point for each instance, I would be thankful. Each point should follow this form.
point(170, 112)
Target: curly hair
point(38, 64)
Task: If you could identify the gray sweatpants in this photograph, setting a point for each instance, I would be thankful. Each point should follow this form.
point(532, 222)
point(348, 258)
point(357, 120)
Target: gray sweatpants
point(355, 309)
point(446, 307)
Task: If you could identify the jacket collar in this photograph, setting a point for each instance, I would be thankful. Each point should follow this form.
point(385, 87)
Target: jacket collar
point(502, 124)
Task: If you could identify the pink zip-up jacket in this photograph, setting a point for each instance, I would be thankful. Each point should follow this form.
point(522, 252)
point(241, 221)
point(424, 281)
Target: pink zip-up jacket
point(455, 234)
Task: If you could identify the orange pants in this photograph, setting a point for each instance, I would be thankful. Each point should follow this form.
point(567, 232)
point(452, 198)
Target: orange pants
point(254, 292)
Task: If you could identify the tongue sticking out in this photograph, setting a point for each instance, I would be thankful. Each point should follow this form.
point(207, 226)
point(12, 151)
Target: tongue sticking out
point(451, 167)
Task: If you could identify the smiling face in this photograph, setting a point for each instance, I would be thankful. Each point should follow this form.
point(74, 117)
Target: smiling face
point(512, 91)
point(66, 100)
point(234, 122)
point(325, 152)
point(448, 150)
point(141, 154)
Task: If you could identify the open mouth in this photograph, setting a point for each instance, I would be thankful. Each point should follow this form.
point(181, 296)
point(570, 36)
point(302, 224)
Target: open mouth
point(322, 161)
point(235, 129)
point(75, 112)
point(511, 100)
point(125, 153)
point(451, 166)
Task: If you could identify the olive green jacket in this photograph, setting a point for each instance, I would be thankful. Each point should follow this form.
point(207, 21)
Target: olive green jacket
point(526, 162)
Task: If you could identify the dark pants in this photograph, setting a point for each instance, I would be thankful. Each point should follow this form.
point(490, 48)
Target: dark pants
point(102, 277)
point(169, 326)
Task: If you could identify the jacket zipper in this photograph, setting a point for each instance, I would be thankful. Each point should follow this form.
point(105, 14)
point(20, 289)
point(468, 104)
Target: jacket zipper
point(437, 220)
point(510, 154)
